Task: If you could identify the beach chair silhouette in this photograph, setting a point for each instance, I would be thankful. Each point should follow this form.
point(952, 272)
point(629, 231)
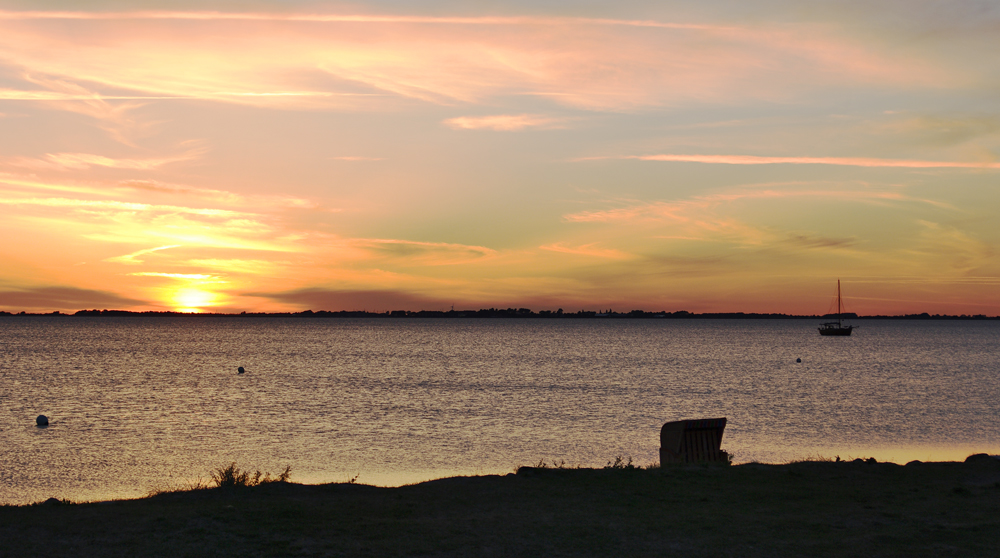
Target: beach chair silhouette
point(692, 441)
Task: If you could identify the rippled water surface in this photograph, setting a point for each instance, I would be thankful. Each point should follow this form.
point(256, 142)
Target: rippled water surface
point(140, 403)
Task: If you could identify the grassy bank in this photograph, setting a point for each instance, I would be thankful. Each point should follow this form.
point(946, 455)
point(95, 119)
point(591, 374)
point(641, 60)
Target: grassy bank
point(799, 509)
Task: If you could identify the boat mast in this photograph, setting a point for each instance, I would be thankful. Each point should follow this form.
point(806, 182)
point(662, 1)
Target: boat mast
point(839, 312)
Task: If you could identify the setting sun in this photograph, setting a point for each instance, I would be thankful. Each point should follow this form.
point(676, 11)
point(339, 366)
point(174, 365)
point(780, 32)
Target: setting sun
point(193, 300)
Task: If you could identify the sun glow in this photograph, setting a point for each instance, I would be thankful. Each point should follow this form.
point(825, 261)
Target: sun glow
point(193, 300)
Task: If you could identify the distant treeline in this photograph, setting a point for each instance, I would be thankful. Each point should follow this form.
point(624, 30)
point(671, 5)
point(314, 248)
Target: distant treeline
point(517, 313)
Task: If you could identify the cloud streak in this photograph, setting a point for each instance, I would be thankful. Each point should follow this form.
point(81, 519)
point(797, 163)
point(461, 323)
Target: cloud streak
point(838, 161)
point(24, 95)
point(185, 276)
point(502, 122)
point(588, 250)
point(423, 253)
point(114, 205)
point(685, 210)
point(83, 161)
point(344, 18)
point(133, 258)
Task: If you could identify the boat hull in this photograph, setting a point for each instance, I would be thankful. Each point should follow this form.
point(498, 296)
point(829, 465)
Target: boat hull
point(836, 331)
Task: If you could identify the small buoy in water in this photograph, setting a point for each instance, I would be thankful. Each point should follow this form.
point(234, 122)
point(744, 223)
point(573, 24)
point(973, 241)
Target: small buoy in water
point(240, 370)
point(798, 360)
point(42, 420)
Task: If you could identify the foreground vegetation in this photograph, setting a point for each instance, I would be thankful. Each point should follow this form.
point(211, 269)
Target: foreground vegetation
point(815, 508)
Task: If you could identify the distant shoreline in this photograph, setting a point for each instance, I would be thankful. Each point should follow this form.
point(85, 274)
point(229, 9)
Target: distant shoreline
point(507, 313)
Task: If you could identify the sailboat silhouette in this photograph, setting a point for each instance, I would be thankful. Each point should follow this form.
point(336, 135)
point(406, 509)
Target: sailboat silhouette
point(837, 327)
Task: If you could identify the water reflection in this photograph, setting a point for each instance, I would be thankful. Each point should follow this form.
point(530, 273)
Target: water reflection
point(140, 403)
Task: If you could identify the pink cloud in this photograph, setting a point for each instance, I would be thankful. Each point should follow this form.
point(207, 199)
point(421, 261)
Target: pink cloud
point(345, 18)
point(501, 122)
point(590, 250)
point(375, 60)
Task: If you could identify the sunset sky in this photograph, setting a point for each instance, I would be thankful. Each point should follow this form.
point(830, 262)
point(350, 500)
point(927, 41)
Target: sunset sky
point(291, 155)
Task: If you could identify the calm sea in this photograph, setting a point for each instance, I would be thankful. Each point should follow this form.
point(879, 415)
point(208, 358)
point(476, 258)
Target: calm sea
point(144, 403)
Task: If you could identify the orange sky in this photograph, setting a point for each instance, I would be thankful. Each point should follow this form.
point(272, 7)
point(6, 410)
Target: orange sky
point(273, 156)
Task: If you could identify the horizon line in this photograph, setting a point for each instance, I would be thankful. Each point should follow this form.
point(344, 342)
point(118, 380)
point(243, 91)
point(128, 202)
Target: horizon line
point(507, 312)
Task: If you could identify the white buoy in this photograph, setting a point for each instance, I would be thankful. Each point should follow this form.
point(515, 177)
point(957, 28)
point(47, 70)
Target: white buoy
point(42, 420)
point(240, 370)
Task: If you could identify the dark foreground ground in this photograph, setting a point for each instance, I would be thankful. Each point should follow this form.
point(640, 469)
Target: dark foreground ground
point(800, 509)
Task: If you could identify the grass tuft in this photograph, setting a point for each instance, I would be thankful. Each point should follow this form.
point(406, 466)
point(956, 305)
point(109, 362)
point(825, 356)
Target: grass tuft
point(233, 476)
point(620, 463)
point(561, 464)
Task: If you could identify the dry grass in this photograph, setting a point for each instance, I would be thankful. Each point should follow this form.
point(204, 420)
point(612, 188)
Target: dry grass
point(824, 508)
point(232, 476)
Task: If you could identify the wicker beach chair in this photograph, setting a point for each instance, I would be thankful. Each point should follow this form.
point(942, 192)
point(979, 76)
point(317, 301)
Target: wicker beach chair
point(692, 441)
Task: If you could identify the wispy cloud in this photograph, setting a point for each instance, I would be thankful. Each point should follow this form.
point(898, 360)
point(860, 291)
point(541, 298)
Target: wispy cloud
point(114, 117)
point(134, 188)
point(733, 218)
point(42, 95)
point(815, 241)
point(236, 265)
point(274, 59)
point(589, 250)
point(186, 276)
point(935, 130)
point(259, 201)
point(83, 161)
point(125, 222)
point(133, 258)
point(19, 182)
point(426, 253)
point(346, 18)
point(957, 249)
point(682, 210)
point(502, 122)
point(117, 206)
point(841, 161)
